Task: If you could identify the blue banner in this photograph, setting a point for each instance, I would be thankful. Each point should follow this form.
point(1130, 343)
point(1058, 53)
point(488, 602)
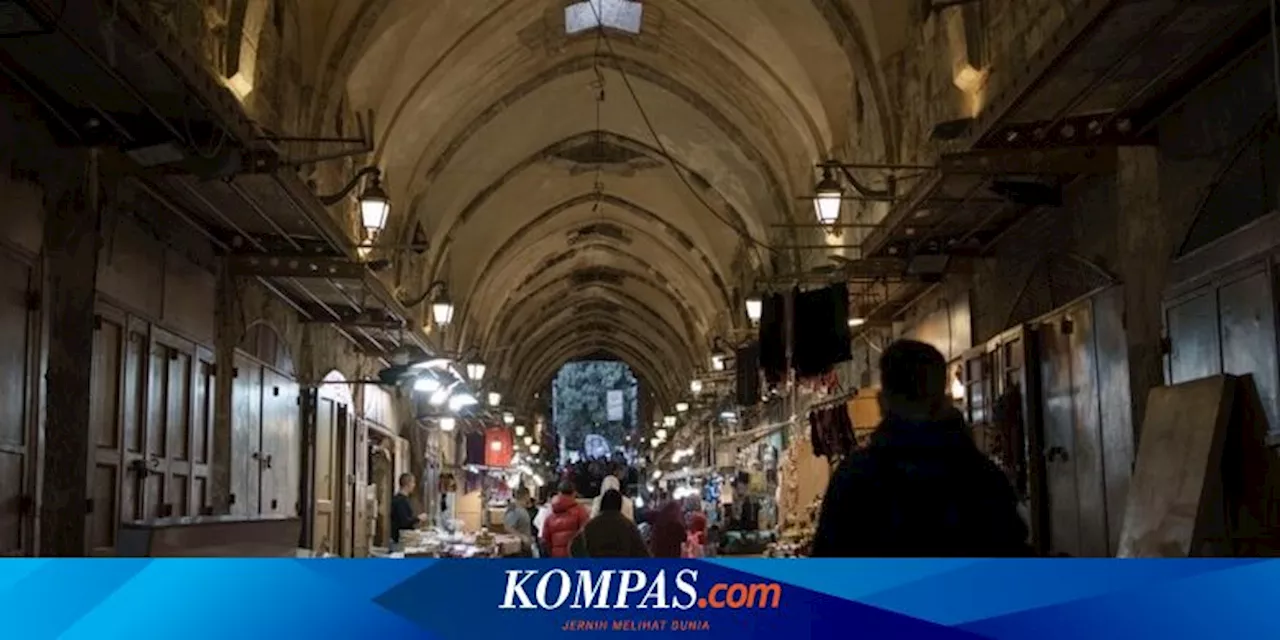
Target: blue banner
point(526, 600)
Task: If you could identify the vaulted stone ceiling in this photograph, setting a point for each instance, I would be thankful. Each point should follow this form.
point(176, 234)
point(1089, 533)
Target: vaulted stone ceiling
point(562, 225)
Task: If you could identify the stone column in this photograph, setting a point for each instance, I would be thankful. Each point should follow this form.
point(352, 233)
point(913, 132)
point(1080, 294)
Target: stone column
point(1145, 253)
point(227, 310)
point(72, 239)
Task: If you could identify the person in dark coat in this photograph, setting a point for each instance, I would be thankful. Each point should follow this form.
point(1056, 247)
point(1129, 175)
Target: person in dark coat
point(402, 515)
point(567, 518)
point(611, 534)
point(667, 536)
point(921, 487)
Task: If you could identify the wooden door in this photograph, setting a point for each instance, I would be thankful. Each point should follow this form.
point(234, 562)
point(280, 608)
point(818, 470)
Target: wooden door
point(281, 444)
point(1228, 326)
point(170, 426)
point(113, 347)
point(327, 447)
point(1073, 435)
point(246, 437)
point(17, 456)
point(347, 513)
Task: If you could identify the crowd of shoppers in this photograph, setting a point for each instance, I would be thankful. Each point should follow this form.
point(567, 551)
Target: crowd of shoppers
point(919, 488)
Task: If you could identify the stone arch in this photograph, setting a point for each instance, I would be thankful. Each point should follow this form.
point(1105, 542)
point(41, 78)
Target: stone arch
point(263, 341)
point(335, 386)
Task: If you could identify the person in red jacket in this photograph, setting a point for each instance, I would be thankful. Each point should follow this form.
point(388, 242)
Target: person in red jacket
point(567, 518)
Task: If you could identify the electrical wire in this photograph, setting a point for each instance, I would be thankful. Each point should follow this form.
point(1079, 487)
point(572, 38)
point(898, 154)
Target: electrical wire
point(662, 148)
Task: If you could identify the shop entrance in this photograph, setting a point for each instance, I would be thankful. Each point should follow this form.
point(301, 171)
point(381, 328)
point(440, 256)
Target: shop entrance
point(266, 454)
point(333, 528)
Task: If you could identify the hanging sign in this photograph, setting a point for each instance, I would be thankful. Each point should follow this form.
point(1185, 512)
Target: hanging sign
point(613, 406)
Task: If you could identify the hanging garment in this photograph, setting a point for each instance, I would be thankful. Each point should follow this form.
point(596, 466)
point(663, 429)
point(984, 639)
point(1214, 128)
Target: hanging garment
point(821, 330)
point(747, 360)
point(474, 449)
point(773, 339)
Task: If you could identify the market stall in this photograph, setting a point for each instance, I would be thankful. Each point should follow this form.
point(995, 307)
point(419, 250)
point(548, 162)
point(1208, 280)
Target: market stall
point(440, 542)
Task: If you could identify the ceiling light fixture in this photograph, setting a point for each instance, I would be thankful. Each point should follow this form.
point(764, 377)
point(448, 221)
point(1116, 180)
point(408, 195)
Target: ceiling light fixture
point(519, 430)
point(534, 449)
point(495, 398)
point(682, 407)
point(695, 386)
point(668, 421)
point(509, 418)
point(475, 370)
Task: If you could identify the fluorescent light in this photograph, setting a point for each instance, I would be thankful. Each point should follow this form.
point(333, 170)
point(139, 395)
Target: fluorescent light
point(462, 401)
point(434, 363)
point(440, 396)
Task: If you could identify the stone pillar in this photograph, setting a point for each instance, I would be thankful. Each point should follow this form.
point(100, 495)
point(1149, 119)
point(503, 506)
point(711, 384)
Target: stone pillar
point(227, 311)
point(1145, 253)
point(72, 238)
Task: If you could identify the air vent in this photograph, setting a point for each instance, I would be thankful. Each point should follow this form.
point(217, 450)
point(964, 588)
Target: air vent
point(595, 152)
point(602, 230)
point(598, 307)
point(598, 276)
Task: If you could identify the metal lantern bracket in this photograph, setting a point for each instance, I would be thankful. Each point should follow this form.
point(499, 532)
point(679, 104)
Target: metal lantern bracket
point(438, 286)
point(330, 200)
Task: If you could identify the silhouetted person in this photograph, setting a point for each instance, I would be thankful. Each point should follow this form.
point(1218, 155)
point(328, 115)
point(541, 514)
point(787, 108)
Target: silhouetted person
point(921, 487)
point(610, 534)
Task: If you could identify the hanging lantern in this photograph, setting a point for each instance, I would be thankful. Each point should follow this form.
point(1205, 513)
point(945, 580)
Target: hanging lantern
point(827, 195)
point(495, 398)
point(508, 418)
point(374, 207)
point(682, 407)
point(668, 421)
point(755, 309)
point(695, 386)
point(475, 371)
point(442, 309)
point(519, 430)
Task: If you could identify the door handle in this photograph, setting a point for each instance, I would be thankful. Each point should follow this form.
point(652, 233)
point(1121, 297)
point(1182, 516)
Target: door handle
point(1056, 454)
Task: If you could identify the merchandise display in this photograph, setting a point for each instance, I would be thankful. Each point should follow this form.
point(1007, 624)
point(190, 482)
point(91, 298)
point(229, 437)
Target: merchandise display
point(441, 543)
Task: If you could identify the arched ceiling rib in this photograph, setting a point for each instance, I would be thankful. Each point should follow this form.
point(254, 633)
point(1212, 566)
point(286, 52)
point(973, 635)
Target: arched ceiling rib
point(561, 234)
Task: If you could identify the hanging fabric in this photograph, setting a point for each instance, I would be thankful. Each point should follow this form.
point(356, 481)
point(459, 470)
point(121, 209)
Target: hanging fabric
point(747, 360)
point(773, 339)
point(475, 451)
point(821, 330)
point(497, 447)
